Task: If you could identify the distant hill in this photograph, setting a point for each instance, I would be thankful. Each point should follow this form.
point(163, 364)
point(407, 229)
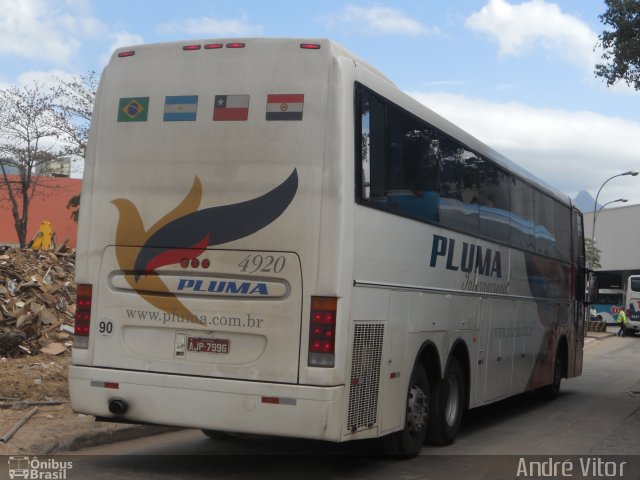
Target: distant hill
point(584, 201)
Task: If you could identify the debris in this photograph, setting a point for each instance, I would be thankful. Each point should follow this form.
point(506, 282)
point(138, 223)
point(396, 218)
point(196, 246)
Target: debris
point(9, 341)
point(54, 349)
point(7, 436)
point(37, 300)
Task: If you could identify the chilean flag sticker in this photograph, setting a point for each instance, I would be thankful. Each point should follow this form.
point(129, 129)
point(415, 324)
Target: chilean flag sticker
point(285, 106)
point(231, 107)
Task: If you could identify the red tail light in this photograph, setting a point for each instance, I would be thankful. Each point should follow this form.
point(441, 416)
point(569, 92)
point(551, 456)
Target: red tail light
point(130, 53)
point(310, 46)
point(235, 45)
point(322, 331)
point(191, 47)
point(83, 315)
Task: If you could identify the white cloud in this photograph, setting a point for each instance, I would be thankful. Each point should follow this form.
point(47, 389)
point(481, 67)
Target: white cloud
point(35, 29)
point(379, 20)
point(536, 24)
point(571, 151)
point(211, 27)
point(52, 31)
point(120, 39)
point(46, 79)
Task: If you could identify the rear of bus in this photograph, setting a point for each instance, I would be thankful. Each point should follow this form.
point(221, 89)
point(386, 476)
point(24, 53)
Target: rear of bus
point(211, 196)
point(632, 301)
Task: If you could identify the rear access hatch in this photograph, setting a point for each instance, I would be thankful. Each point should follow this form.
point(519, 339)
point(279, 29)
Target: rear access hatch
point(225, 314)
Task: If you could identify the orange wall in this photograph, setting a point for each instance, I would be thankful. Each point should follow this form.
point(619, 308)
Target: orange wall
point(49, 203)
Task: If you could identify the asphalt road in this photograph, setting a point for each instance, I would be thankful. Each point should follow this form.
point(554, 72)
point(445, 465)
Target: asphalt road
point(593, 427)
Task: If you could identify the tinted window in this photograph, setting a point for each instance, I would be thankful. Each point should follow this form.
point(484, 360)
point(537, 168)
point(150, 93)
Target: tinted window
point(493, 199)
point(458, 188)
point(544, 220)
point(410, 168)
point(522, 215)
point(372, 146)
point(562, 231)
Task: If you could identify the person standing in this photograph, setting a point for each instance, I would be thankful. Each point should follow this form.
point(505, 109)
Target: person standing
point(622, 320)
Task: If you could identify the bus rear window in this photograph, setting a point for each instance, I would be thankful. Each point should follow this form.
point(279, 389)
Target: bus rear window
point(635, 284)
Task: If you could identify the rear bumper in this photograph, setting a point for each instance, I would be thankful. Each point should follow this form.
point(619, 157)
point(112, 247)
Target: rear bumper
point(210, 403)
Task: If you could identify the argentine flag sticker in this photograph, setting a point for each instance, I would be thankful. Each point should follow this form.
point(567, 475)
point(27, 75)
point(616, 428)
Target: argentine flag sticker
point(182, 108)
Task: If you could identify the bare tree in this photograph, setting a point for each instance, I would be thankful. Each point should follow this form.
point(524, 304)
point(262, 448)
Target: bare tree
point(28, 142)
point(73, 109)
point(74, 99)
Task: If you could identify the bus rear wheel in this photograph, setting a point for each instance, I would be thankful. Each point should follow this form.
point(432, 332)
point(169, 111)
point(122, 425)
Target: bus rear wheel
point(552, 391)
point(448, 406)
point(408, 442)
point(220, 435)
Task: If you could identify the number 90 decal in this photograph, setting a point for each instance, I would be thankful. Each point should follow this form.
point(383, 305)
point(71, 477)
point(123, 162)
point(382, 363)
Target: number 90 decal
point(105, 327)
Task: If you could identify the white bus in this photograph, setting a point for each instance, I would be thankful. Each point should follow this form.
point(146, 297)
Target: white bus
point(632, 304)
point(274, 239)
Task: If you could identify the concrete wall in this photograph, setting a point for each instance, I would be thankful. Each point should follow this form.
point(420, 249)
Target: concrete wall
point(49, 203)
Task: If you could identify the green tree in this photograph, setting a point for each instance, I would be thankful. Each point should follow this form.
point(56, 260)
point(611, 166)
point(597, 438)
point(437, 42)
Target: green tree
point(592, 255)
point(620, 43)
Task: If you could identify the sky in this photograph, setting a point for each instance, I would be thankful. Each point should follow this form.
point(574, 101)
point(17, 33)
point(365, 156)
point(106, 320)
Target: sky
point(518, 75)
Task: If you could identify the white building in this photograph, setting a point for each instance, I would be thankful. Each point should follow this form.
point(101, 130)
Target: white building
point(617, 231)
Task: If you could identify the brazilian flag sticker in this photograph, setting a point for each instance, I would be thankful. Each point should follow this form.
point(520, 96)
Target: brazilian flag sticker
point(133, 109)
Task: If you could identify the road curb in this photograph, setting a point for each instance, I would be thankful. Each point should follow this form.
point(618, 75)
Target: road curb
point(594, 339)
point(94, 439)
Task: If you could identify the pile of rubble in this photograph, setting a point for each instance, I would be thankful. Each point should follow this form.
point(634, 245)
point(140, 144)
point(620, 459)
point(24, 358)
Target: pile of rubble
point(37, 301)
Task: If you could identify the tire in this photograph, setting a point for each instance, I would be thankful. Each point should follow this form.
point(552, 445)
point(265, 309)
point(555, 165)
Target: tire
point(552, 391)
point(218, 435)
point(408, 442)
point(448, 406)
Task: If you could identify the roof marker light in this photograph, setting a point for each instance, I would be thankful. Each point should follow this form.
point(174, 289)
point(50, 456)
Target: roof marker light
point(191, 47)
point(235, 45)
point(213, 46)
point(310, 46)
point(129, 53)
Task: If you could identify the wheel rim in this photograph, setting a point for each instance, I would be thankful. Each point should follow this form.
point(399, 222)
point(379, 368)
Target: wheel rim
point(417, 408)
point(453, 401)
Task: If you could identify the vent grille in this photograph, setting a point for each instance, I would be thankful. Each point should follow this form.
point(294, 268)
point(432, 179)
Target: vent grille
point(365, 376)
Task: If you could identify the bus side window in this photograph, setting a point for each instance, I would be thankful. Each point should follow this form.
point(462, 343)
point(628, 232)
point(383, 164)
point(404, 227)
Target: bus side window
point(372, 147)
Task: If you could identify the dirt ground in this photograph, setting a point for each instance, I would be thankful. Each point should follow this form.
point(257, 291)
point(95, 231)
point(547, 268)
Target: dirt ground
point(53, 428)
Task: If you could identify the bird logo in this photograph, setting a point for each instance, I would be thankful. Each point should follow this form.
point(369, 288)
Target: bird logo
point(186, 232)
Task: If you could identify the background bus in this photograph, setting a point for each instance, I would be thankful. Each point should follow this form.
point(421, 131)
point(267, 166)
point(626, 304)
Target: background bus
point(607, 304)
point(632, 303)
point(274, 239)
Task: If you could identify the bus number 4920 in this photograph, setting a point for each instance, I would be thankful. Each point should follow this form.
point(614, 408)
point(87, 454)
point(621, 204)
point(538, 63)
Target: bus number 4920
point(263, 264)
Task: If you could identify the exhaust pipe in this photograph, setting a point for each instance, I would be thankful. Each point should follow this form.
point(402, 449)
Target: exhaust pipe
point(118, 406)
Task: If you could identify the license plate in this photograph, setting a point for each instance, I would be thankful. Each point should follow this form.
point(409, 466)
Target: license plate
point(208, 345)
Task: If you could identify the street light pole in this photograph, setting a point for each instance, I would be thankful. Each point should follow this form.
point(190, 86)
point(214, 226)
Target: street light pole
point(633, 173)
point(595, 215)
